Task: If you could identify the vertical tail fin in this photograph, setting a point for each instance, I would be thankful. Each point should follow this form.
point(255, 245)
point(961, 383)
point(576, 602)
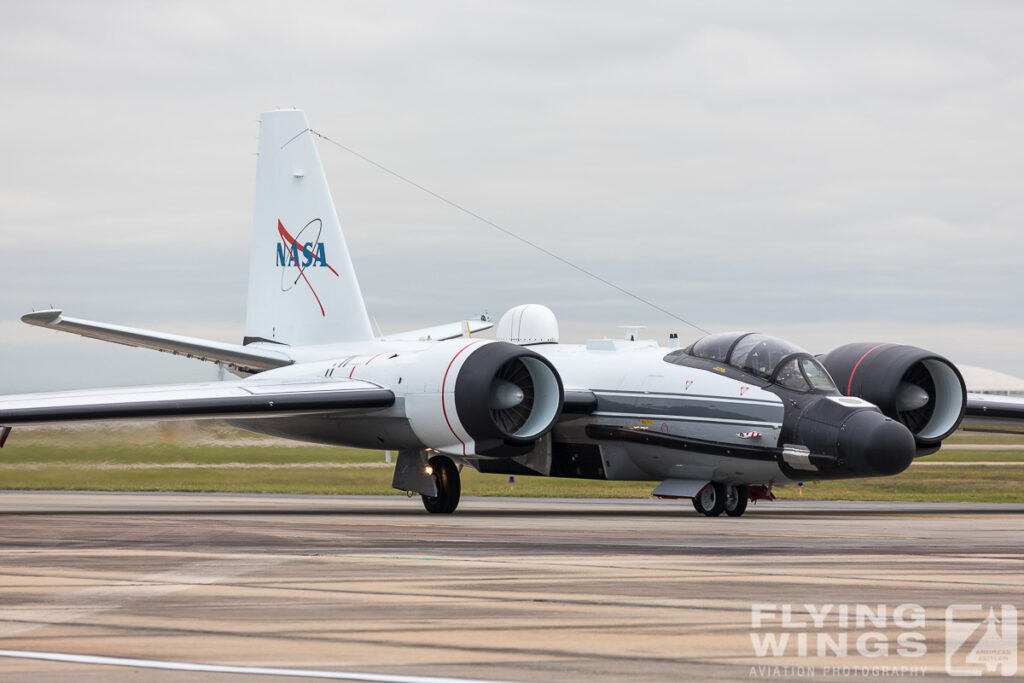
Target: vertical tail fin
point(302, 288)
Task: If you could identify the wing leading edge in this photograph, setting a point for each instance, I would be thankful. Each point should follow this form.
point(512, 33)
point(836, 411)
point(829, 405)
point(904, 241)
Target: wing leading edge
point(246, 359)
point(233, 399)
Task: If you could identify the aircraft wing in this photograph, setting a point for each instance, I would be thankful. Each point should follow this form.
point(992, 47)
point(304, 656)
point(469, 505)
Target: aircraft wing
point(232, 399)
point(442, 332)
point(247, 359)
point(994, 413)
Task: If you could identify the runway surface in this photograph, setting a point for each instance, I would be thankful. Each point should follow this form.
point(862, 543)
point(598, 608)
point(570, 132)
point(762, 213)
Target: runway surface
point(505, 589)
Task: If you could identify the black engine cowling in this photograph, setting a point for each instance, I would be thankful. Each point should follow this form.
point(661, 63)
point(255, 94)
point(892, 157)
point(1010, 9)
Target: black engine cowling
point(918, 388)
point(507, 397)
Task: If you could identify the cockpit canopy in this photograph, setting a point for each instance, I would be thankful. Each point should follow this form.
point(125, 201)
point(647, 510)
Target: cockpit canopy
point(769, 358)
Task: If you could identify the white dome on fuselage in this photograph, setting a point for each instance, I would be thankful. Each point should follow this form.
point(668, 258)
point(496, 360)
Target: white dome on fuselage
point(528, 324)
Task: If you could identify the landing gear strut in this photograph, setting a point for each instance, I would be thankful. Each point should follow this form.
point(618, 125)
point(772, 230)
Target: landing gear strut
point(449, 487)
point(716, 498)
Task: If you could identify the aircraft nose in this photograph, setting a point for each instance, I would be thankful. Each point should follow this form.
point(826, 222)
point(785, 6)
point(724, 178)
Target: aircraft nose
point(872, 444)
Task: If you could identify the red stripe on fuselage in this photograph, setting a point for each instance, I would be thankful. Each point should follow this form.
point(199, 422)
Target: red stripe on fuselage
point(372, 358)
point(444, 382)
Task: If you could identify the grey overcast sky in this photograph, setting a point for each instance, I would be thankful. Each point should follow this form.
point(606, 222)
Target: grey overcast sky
point(825, 172)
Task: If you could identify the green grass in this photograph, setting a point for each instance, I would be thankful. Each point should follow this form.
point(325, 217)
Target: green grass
point(975, 456)
point(170, 453)
point(976, 483)
point(476, 484)
point(102, 460)
point(336, 482)
point(960, 436)
point(56, 477)
point(972, 483)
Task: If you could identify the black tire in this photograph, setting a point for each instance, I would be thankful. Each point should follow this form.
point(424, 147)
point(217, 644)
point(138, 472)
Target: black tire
point(735, 500)
point(449, 487)
point(710, 502)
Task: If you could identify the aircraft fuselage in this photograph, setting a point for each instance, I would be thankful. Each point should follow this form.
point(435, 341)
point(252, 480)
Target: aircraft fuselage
point(648, 418)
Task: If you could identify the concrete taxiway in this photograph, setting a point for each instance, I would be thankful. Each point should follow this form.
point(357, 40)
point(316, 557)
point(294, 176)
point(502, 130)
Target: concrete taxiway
point(505, 589)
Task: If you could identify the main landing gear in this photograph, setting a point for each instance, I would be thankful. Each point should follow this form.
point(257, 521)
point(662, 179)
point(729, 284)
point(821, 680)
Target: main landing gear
point(449, 487)
point(436, 479)
point(716, 498)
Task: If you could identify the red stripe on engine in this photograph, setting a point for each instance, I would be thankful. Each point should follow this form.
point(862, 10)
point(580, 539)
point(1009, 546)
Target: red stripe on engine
point(849, 384)
point(444, 381)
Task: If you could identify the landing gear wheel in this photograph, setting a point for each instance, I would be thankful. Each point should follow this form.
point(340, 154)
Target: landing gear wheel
point(710, 502)
point(735, 500)
point(449, 488)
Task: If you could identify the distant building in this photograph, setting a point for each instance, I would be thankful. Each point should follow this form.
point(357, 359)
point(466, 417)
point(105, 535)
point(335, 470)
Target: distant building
point(985, 381)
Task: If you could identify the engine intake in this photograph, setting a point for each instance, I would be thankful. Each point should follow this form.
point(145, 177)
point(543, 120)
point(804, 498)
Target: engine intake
point(918, 388)
point(507, 397)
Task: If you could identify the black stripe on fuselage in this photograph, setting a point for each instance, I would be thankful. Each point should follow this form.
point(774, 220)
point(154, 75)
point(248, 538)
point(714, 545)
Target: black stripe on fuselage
point(706, 408)
point(686, 396)
point(680, 443)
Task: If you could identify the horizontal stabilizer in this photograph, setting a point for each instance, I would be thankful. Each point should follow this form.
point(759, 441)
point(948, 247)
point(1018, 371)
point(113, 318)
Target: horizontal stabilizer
point(246, 359)
point(233, 399)
point(441, 332)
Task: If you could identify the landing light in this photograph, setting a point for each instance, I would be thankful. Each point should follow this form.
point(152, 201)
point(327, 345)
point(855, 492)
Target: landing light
point(428, 470)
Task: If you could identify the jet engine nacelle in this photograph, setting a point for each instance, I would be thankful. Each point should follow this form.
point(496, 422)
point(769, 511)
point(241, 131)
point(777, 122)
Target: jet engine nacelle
point(481, 397)
point(918, 388)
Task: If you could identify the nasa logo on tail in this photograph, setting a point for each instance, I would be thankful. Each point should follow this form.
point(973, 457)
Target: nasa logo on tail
point(296, 254)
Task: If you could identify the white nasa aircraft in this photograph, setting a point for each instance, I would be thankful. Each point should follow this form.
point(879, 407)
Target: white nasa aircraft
point(720, 422)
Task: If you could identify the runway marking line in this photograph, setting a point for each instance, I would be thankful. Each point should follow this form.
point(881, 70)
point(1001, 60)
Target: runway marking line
point(249, 670)
point(285, 521)
point(945, 516)
point(901, 538)
point(256, 501)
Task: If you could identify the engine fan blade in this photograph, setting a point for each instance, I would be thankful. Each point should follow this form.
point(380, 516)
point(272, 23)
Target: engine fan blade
point(520, 376)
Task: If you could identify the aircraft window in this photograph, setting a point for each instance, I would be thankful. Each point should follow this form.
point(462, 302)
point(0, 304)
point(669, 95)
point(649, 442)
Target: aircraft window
point(816, 374)
point(790, 376)
point(715, 346)
point(759, 354)
point(767, 357)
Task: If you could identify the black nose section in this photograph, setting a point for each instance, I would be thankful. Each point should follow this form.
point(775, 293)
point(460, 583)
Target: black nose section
point(871, 444)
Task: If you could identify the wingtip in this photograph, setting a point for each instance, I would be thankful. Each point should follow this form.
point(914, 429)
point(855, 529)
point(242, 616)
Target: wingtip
point(42, 317)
